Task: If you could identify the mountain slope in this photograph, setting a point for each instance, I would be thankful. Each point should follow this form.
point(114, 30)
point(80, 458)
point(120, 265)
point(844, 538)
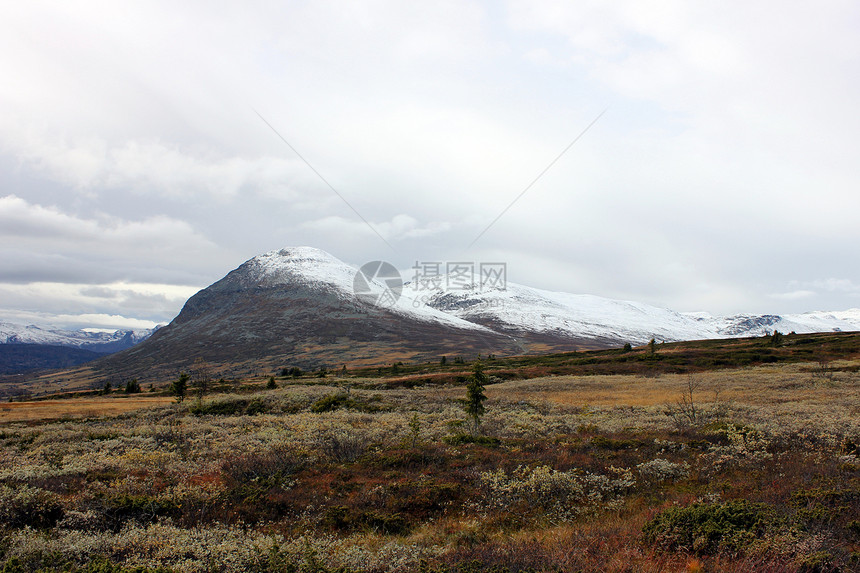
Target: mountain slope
point(296, 306)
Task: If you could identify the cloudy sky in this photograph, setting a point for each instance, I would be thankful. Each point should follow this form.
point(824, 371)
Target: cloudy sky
point(723, 175)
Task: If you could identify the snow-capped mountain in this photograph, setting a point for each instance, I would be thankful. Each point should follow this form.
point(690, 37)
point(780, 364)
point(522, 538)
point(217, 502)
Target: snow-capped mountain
point(315, 267)
point(760, 325)
point(518, 308)
point(302, 306)
point(103, 342)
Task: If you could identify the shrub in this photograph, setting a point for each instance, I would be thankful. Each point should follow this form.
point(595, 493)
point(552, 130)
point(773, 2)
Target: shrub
point(661, 470)
point(120, 508)
point(25, 506)
point(218, 408)
point(97, 565)
point(708, 528)
point(261, 471)
point(343, 446)
point(256, 406)
point(332, 402)
point(604, 443)
point(560, 495)
point(460, 439)
point(230, 407)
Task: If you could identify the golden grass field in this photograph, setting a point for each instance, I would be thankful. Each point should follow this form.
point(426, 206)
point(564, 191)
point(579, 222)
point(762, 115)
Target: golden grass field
point(779, 386)
point(88, 407)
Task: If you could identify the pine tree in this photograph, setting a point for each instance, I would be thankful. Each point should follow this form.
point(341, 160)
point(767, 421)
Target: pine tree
point(180, 386)
point(474, 402)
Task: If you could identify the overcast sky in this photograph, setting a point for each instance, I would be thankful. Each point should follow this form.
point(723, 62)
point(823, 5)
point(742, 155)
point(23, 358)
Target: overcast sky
point(134, 169)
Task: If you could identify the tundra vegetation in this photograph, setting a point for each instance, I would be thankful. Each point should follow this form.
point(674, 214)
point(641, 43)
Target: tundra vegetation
point(716, 467)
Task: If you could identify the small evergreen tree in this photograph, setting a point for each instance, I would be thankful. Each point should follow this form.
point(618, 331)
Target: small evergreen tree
point(652, 346)
point(107, 388)
point(628, 347)
point(414, 430)
point(271, 385)
point(776, 338)
point(132, 386)
point(179, 386)
point(443, 361)
point(474, 402)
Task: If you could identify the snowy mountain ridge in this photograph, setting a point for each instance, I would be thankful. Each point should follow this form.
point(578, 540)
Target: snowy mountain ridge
point(514, 311)
point(518, 308)
point(95, 341)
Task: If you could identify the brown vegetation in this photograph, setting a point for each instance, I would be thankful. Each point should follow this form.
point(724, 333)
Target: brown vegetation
point(569, 473)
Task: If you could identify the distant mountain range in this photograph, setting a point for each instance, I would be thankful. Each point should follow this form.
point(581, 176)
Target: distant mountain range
point(521, 309)
point(100, 342)
point(24, 348)
point(301, 306)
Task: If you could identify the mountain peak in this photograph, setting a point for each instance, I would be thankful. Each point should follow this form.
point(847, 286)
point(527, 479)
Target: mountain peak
point(292, 265)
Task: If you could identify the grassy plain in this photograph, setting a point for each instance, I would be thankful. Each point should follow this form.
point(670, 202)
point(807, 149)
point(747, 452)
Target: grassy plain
point(44, 410)
point(736, 469)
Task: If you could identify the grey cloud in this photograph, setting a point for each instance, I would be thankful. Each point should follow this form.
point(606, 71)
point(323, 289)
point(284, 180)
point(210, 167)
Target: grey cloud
point(723, 170)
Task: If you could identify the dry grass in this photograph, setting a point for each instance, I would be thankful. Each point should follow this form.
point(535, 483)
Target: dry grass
point(753, 386)
point(76, 408)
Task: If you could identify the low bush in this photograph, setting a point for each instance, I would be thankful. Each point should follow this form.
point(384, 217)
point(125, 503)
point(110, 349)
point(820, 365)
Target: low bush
point(98, 565)
point(709, 528)
point(230, 407)
point(251, 473)
point(25, 506)
point(332, 402)
point(460, 439)
point(557, 495)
